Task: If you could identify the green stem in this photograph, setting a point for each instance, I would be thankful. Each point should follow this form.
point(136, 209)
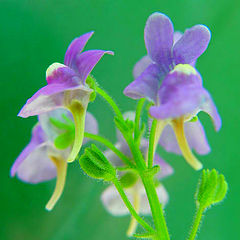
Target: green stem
point(111, 102)
point(151, 149)
point(108, 144)
point(196, 223)
point(137, 118)
point(138, 157)
point(130, 207)
point(156, 208)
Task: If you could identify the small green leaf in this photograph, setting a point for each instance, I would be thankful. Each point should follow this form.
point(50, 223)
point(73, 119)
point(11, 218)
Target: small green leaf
point(121, 125)
point(129, 179)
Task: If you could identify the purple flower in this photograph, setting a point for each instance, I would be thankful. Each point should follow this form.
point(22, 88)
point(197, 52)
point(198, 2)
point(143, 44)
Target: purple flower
point(165, 50)
point(181, 97)
point(41, 160)
point(67, 88)
point(169, 51)
point(134, 191)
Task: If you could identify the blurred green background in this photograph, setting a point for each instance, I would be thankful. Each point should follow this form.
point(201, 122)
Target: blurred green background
point(34, 34)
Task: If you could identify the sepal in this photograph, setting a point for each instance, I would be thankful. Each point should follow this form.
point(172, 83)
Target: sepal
point(212, 189)
point(91, 82)
point(95, 164)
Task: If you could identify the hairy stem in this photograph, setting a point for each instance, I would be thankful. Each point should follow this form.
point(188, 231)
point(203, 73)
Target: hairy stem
point(196, 224)
point(130, 207)
point(156, 208)
point(111, 102)
point(137, 118)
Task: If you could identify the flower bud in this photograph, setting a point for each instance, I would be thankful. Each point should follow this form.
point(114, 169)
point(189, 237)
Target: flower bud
point(95, 164)
point(212, 189)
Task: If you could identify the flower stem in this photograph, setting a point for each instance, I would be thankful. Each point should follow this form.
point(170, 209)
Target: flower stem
point(111, 102)
point(108, 144)
point(130, 207)
point(196, 223)
point(156, 131)
point(156, 208)
point(137, 118)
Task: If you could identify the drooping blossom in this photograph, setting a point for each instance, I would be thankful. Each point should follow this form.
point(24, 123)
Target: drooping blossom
point(44, 158)
point(67, 88)
point(166, 50)
point(135, 191)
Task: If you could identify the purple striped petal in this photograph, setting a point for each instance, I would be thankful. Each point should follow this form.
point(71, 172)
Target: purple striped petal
point(195, 135)
point(75, 48)
point(158, 35)
point(141, 65)
point(37, 167)
point(176, 36)
point(165, 169)
point(54, 96)
point(87, 60)
point(191, 45)
point(58, 73)
point(146, 85)
point(38, 137)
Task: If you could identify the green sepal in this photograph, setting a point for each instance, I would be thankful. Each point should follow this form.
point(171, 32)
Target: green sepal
point(95, 164)
point(129, 179)
point(91, 82)
point(212, 189)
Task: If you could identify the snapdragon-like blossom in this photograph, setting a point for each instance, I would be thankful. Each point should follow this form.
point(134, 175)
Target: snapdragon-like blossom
point(171, 57)
point(67, 88)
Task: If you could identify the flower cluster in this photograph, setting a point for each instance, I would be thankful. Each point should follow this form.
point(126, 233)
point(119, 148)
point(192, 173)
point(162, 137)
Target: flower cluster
point(168, 79)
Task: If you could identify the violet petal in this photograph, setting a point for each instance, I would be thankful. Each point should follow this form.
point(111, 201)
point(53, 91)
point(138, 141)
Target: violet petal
point(191, 45)
point(158, 35)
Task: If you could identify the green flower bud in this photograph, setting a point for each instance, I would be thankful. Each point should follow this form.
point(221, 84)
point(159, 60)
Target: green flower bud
point(95, 164)
point(212, 189)
point(128, 179)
